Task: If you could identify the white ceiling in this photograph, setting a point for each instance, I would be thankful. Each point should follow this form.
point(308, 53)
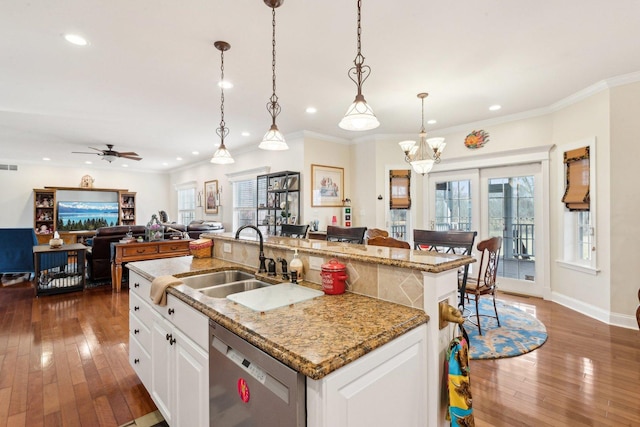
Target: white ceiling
point(147, 82)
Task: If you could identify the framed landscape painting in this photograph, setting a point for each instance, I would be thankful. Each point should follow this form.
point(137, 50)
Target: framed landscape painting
point(327, 185)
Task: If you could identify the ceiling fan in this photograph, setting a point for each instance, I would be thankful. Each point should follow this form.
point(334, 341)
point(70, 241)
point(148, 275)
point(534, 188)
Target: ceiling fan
point(110, 154)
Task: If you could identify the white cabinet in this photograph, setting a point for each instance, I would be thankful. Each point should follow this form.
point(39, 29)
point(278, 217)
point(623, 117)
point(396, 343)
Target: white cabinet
point(169, 352)
point(387, 387)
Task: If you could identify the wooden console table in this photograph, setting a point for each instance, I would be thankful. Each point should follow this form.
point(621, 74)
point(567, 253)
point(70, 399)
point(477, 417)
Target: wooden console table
point(126, 252)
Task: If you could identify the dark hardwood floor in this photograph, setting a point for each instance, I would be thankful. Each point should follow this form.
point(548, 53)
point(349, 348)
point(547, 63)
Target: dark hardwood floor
point(63, 362)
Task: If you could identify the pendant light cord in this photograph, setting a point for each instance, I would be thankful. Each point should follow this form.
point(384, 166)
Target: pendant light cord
point(272, 106)
point(360, 71)
point(222, 131)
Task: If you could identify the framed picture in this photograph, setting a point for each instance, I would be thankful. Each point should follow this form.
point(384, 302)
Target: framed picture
point(293, 220)
point(327, 185)
point(211, 197)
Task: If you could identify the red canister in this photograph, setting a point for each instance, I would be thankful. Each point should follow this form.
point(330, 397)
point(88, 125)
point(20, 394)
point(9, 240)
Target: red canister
point(334, 276)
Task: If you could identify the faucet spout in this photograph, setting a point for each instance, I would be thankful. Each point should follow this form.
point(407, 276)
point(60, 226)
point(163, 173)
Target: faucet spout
point(261, 257)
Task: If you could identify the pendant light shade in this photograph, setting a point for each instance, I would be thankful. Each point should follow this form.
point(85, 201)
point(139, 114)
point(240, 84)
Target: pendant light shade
point(222, 156)
point(359, 115)
point(273, 139)
point(423, 155)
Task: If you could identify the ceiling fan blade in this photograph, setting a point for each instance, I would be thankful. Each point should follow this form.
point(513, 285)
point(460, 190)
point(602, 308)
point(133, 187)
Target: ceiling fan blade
point(83, 152)
point(130, 157)
point(97, 149)
point(128, 153)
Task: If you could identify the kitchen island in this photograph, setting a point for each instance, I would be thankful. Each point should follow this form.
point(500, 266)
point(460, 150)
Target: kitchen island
point(330, 337)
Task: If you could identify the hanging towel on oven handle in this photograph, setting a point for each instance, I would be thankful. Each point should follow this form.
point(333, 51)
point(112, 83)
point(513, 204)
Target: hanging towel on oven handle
point(460, 411)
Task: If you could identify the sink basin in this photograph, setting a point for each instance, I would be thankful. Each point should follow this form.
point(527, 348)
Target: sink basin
point(221, 291)
point(216, 278)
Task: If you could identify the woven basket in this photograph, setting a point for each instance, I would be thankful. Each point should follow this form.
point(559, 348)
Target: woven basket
point(201, 248)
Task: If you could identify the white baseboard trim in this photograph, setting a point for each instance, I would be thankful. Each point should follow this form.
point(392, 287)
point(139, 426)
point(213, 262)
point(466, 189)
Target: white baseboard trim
point(604, 316)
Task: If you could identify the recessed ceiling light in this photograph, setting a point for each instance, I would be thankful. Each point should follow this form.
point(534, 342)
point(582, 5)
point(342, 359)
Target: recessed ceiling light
point(76, 39)
point(195, 153)
point(311, 110)
point(495, 107)
point(432, 122)
point(46, 159)
point(165, 164)
point(225, 84)
point(124, 165)
point(178, 158)
point(245, 133)
point(88, 162)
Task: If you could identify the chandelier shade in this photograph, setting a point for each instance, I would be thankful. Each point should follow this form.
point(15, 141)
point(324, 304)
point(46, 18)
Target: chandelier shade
point(273, 140)
point(222, 156)
point(359, 115)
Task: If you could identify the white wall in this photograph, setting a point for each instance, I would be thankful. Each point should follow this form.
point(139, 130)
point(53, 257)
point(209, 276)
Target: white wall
point(17, 189)
point(625, 204)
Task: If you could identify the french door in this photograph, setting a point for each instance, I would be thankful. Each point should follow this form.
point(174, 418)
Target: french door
point(505, 201)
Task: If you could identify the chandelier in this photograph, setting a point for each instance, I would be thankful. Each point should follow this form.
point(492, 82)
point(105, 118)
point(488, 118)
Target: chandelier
point(273, 139)
point(423, 155)
point(359, 115)
point(222, 155)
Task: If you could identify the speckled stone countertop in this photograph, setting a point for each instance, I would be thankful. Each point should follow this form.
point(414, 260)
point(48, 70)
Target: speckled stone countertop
point(432, 262)
point(314, 337)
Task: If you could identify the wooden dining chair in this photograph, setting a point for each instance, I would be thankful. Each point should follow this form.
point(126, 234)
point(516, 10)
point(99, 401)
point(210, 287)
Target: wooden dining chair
point(485, 282)
point(389, 242)
point(452, 242)
point(374, 232)
point(345, 234)
point(297, 231)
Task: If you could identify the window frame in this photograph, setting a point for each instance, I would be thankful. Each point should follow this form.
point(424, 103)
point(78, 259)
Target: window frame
point(187, 186)
point(569, 221)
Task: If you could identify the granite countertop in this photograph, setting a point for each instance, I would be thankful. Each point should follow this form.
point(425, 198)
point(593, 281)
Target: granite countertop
point(432, 262)
point(314, 337)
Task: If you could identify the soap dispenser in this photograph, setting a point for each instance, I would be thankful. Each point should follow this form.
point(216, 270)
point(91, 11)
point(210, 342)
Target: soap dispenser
point(296, 265)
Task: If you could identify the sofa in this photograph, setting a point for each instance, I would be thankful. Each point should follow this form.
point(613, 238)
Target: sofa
point(99, 257)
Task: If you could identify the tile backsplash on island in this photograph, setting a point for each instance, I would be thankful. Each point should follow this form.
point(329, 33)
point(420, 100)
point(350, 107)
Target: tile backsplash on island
point(397, 284)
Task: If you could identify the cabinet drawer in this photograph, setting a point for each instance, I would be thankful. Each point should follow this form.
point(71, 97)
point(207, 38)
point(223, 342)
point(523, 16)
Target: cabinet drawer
point(140, 308)
point(175, 248)
point(140, 361)
point(133, 251)
point(139, 286)
point(139, 329)
point(189, 320)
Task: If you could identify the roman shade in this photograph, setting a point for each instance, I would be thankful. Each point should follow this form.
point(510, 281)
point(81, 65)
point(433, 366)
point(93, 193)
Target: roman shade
point(399, 186)
point(576, 193)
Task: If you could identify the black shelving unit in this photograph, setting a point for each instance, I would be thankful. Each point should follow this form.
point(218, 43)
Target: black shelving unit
point(278, 201)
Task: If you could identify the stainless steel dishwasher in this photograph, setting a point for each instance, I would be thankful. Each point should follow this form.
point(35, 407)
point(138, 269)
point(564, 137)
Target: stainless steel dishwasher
point(247, 387)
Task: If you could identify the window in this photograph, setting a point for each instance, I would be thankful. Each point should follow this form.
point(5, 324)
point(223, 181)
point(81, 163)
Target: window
point(453, 206)
point(578, 221)
point(400, 188)
point(244, 202)
point(186, 203)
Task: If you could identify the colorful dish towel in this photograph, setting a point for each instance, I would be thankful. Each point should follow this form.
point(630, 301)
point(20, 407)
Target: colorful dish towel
point(159, 287)
point(458, 384)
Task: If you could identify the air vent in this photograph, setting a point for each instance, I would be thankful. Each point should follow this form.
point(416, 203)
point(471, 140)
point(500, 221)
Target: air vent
point(8, 167)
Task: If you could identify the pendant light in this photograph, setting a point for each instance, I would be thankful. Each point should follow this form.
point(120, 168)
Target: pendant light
point(427, 152)
point(222, 155)
point(273, 139)
point(359, 115)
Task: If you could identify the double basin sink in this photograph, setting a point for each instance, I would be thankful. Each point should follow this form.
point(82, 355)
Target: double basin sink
point(220, 284)
point(243, 288)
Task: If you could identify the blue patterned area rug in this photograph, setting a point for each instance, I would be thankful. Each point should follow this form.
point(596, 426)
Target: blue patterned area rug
point(519, 332)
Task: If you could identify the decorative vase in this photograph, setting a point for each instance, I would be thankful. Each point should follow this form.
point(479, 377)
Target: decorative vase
point(154, 230)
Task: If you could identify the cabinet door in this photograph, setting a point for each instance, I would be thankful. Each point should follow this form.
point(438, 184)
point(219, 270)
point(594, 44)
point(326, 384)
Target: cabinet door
point(192, 383)
point(162, 366)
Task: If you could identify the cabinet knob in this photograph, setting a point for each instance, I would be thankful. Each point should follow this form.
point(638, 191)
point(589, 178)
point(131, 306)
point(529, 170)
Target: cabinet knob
point(171, 311)
point(136, 361)
point(136, 331)
point(168, 337)
point(136, 285)
point(136, 308)
point(172, 341)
